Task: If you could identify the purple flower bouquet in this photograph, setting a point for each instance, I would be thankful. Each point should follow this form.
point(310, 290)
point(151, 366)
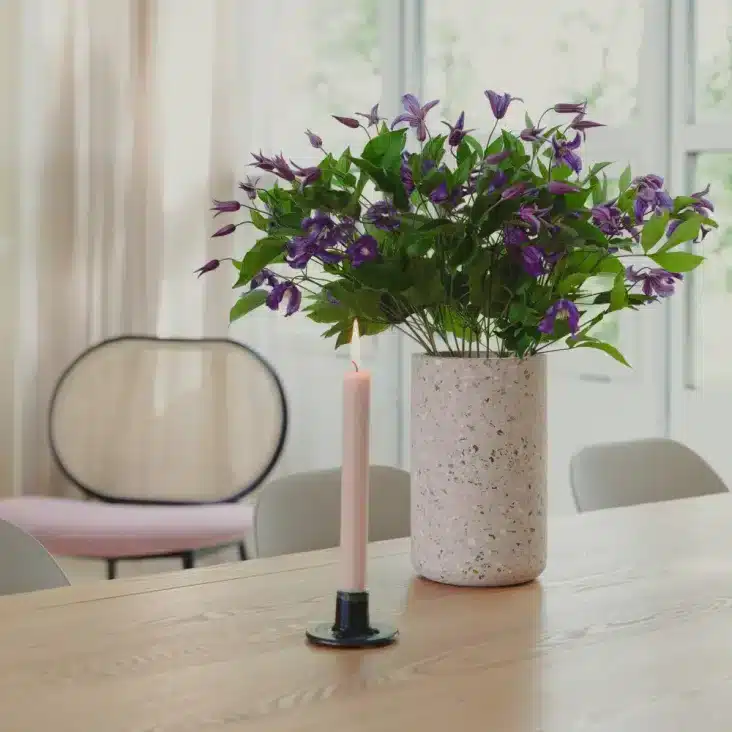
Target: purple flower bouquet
point(470, 245)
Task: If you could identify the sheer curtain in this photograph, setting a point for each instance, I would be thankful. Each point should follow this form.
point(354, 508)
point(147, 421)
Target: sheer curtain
point(116, 130)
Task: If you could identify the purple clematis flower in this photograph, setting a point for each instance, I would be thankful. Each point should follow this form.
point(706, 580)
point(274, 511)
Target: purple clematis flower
point(347, 121)
point(323, 235)
point(364, 249)
point(532, 260)
point(315, 140)
point(496, 158)
point(570, 108)
point(657, 282)
point(531, 214)
point(263, 162)
point(285, 292)
point(608, 218)
point(282, 169)
point(415, 115)
point(225, 230)
point(383, 216)
point(560, 310)
point(581, 124)
point(561, 187)
point(265, 276)
point(210, 266)
point(457, 132)
point(301, 249)
point(673, 226)
point(564, 153)
point(515, 190)
point(532, 134)
point(703, 206)
point(650, 196)
point(439, 194)
point(250, 187)
point(514, 236)
point(498, 181)
point(225, 207)
point(372, 117)
point(307, 175)
point(405, 174)
point(500, 102)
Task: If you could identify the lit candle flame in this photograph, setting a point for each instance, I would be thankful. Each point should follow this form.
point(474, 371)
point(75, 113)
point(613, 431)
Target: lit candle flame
point(355, 345)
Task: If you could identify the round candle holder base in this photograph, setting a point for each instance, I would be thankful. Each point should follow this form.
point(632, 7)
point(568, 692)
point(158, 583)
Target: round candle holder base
point(352, 627)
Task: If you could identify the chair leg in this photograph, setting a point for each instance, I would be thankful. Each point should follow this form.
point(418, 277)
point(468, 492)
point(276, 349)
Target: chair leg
point(111, 569)
point(188, 559)
point(242, 551)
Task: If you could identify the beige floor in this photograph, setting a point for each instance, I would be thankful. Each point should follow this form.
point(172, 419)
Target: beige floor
point(91, 570)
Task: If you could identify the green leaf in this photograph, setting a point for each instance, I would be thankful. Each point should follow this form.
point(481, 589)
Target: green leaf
point(687, 230)
point(345, 335)
point(388, 182)
point(624, 180)
point(434, 149)
point(264, 252)
point(384, 151)
point(386, 275)
point(326, 312)
point(356, 195)
point(653, 230)
point(259, 221)
point(587, 231)
point(605, 347)
point(677, 261)
point(610, 265)
point(571, 282)
point(681, 202)
point(464, 152)
point(474, 145)
point(561, 172)
point(462, 252)
point(618, 295)
point(246, 303)
point(361, 302)
point(597, 167)
point(344, 162)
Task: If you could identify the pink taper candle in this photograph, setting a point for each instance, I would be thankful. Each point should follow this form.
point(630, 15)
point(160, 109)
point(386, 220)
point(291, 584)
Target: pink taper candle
point(355, 471)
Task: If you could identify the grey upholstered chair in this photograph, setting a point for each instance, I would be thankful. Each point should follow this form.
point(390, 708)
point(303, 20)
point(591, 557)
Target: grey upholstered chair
point(639, 471)
point(24, 563)
point(301, 512)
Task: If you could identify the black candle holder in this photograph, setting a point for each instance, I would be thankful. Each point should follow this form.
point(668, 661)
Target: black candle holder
point(352, 627)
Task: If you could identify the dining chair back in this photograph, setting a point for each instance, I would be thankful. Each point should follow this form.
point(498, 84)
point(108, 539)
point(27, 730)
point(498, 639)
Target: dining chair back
point(157, 420)
point(301, 512)
point(25, 565)
point(165, 436)
point(640, 471)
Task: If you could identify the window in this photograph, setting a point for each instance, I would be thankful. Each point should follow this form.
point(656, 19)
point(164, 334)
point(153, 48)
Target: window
point(568, 50)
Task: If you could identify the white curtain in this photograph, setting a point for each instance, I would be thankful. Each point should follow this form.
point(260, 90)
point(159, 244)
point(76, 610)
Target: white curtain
point(116, 130)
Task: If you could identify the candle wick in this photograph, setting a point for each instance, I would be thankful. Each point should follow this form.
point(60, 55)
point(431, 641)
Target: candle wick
point(355, 365)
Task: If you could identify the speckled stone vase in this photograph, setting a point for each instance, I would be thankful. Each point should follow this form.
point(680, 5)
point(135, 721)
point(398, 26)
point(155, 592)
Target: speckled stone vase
point(478, 462)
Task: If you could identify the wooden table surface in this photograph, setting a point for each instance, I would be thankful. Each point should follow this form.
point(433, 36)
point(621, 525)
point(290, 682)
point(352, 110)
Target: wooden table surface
point(629, 630)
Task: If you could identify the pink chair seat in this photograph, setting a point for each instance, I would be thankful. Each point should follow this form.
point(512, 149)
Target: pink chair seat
point(69, 527)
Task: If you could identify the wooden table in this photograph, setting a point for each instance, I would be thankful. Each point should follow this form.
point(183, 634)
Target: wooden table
point(630, 630)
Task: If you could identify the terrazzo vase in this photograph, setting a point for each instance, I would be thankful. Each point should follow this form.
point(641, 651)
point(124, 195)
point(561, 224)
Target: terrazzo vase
point(478, 463)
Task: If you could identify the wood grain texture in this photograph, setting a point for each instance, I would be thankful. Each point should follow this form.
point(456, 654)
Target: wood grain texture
point(629, 629)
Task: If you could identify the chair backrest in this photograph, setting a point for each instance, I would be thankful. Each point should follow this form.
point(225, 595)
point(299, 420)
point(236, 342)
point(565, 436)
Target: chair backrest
point(301, 512)
point(25, 565)
point(640, 471)
point(155, 420)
